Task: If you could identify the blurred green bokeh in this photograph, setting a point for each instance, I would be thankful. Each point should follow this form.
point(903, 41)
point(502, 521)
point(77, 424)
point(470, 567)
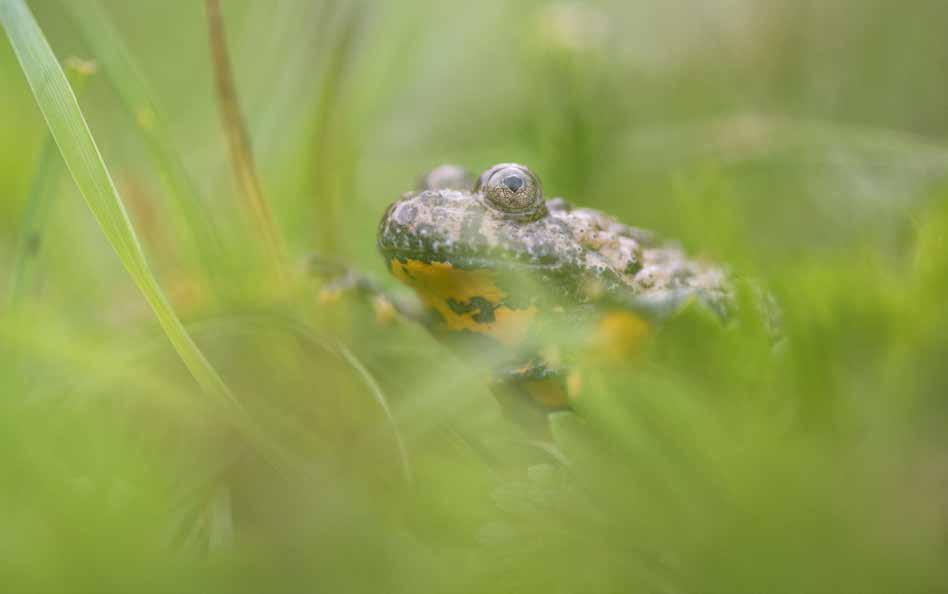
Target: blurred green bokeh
point(803, 143)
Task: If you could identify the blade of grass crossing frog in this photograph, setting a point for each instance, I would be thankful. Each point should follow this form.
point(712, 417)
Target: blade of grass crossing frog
point(659, 427)
point(65, 121)
point(42, 191)
point(110, 50)
point(581, 447)
point(620, 479)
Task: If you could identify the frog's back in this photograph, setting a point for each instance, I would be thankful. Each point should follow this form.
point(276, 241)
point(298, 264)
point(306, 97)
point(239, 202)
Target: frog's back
point(497, 264)
point(655, 275)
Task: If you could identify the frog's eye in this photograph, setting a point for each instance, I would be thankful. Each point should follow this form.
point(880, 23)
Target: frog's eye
point(513, 189)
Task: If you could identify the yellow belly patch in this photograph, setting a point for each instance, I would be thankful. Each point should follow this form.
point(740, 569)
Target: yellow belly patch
point(620, 334)
point(440, 283)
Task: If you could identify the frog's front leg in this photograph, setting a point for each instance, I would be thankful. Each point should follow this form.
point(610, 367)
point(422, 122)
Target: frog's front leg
point(342, 279)
point(529, 393)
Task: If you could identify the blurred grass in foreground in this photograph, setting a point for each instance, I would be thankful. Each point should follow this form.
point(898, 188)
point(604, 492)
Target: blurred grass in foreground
point(713, 462)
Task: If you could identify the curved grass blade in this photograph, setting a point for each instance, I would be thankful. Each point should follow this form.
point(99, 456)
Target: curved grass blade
point(118, 64)
point(238, 138)
point(81, 155)
point(382, 401)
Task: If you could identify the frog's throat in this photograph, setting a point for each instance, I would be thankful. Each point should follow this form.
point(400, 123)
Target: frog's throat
point(466, 299)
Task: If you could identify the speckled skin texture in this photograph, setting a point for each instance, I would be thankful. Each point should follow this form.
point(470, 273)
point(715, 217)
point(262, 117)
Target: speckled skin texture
point(578, 255)
point(521, 281)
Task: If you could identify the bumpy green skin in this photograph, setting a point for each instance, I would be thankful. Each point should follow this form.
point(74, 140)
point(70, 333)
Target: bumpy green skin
point(576, 255)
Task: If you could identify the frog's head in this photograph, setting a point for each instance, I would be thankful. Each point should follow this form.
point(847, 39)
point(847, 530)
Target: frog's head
point(487, 256)
point(498, 221)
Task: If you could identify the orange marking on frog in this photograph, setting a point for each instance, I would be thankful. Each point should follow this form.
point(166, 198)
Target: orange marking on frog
point(620, 334)
point(548, 393)
point(439, 282)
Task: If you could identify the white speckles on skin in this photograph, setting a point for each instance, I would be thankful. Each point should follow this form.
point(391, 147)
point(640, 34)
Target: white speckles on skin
point(601, 234)
point(450, 226)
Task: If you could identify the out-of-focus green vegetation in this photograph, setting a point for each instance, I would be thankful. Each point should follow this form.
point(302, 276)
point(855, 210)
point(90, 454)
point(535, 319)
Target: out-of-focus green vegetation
point(802, 142)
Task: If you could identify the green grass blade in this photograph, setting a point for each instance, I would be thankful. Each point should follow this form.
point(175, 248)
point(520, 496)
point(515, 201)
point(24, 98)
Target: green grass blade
point(238, 139)
point(379, 395)
point(109, 49)
point(81, 155)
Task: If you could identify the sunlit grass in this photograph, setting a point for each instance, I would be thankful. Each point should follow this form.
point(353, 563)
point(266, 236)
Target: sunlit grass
point(151, 121)
point(325, 448)
point(78, 149)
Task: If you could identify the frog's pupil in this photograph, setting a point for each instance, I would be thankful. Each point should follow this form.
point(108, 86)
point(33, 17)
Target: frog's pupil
point(513, 183)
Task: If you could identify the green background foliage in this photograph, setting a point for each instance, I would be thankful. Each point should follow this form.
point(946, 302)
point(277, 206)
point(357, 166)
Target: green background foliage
point(800, 142)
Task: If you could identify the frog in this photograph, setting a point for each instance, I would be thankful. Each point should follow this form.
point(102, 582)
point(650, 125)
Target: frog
point(507, 276)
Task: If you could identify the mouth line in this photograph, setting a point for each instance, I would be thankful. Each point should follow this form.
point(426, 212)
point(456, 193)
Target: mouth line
point(466, 262)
